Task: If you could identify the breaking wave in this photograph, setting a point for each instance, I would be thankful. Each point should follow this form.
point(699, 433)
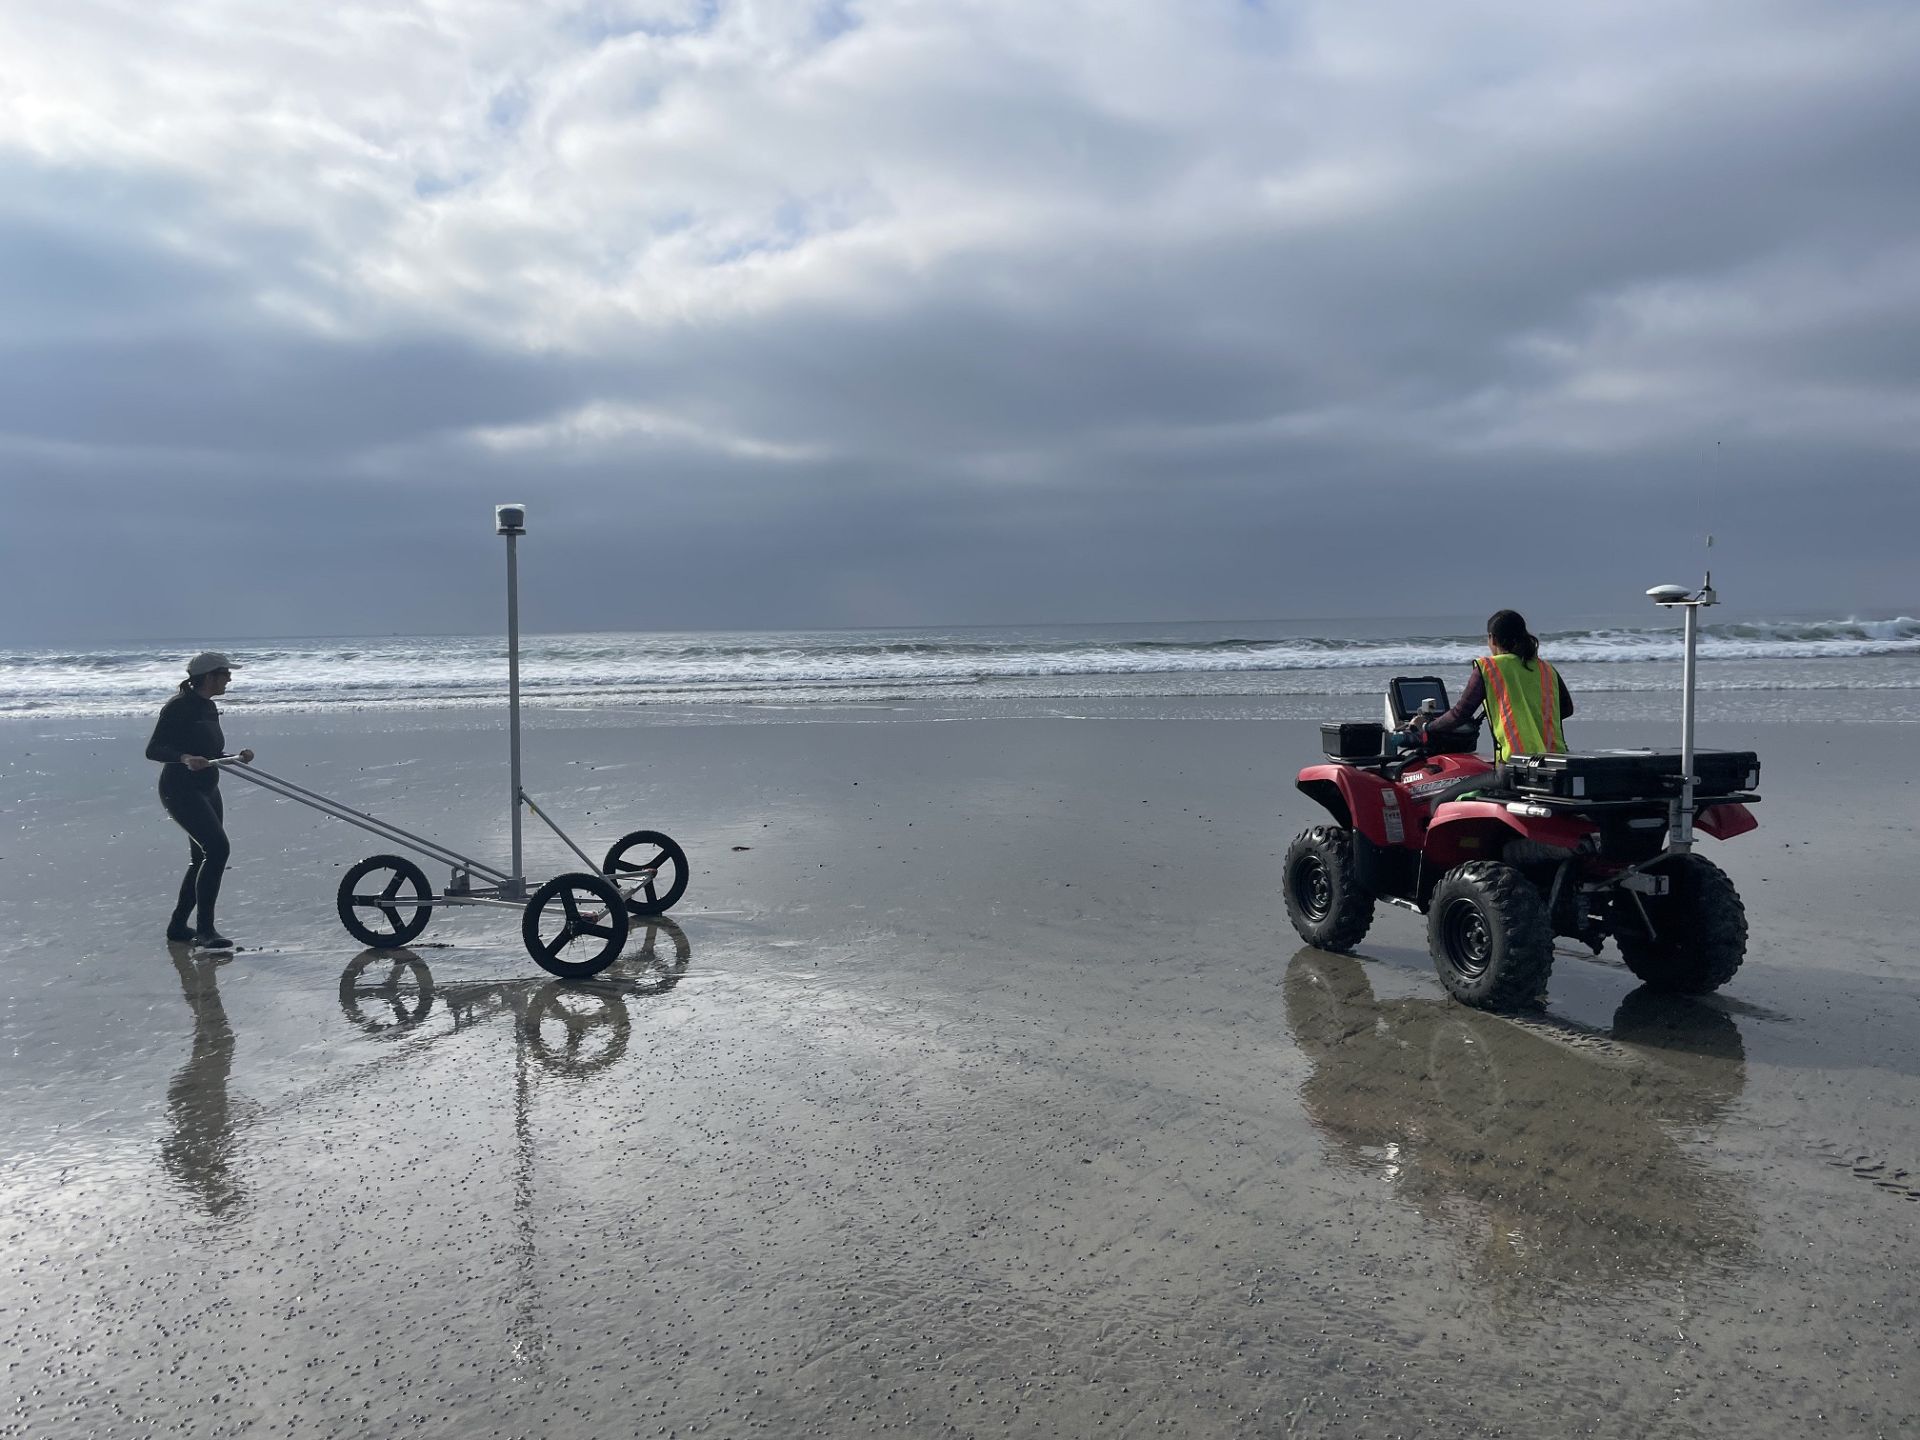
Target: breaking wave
point(846, 666)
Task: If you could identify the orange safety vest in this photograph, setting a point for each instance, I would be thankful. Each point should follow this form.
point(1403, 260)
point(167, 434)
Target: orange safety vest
point(1523, 706)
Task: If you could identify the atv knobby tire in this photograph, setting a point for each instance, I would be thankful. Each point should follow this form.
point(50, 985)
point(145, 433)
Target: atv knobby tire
point(1325, 899)
point(1700, 929)
point(1488, 933)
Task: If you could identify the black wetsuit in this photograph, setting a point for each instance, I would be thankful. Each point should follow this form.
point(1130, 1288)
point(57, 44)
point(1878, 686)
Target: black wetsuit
point(190, 725)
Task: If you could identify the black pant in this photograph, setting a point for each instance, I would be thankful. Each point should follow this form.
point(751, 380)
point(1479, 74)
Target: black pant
point(201, 815)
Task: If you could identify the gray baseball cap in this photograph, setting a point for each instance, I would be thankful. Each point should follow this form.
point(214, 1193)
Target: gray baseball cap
point(206, 662)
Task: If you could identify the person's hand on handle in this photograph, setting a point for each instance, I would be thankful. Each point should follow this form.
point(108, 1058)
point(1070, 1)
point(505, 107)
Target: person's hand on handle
point(195, 762)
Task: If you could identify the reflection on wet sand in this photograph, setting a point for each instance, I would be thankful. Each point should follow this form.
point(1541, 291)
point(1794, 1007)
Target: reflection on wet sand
point(572, 1027)
point(567, 1027)
point(1555, 1153)
point(197, 1150)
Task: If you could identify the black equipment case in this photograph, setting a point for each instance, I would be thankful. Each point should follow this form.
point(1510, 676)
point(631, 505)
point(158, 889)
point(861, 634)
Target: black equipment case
point(1353, 739)
point(1632, 774)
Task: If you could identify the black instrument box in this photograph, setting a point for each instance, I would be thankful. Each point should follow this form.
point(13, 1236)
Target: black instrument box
point(1631, 774)
point(1353, 739)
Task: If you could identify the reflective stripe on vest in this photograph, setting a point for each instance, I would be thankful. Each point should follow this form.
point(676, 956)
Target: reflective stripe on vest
point(1523, 706)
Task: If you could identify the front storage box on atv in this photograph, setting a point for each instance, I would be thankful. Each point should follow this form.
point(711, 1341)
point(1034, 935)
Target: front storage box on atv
point(1631, 774)
point(1353, 739)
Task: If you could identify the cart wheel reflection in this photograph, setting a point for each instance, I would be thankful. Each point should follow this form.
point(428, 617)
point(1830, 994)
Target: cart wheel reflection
point(576, 1029)
point(643, 969)
point(377, 981)
point(646, 851)
point(384, 901)
point(575, 926)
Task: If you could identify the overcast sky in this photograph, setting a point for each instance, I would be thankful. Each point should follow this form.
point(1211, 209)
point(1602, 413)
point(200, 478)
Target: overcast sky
point(949, 311)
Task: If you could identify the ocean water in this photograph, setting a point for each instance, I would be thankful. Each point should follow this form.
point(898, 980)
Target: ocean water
point(1867, 667)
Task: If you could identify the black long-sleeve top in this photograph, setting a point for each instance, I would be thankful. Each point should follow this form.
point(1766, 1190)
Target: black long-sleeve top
point(1474, 694)
point(189, 724)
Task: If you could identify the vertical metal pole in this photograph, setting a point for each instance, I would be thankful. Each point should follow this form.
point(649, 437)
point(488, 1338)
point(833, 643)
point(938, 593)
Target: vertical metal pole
point(1683, 829)
point(513, 704)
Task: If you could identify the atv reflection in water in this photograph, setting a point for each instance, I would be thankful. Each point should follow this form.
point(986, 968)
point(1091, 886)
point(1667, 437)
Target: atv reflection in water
point(1554, 1151)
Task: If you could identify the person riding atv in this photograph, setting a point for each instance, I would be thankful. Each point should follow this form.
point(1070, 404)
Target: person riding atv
point(1525, 699)
point(1503, 856)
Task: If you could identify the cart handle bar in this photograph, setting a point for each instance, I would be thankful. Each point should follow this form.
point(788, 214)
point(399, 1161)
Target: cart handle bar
point(385, 829)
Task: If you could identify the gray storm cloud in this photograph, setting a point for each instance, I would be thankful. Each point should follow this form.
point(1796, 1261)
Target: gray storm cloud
point(910, 312)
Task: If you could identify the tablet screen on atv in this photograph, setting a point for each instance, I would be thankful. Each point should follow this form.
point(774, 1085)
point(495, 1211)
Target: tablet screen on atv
point(1409, 692)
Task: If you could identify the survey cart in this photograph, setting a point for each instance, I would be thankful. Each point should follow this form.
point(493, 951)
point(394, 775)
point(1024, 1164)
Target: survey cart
point(574, 924)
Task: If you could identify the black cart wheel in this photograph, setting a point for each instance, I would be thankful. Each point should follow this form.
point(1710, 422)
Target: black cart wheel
point(381, 991)
point(1700, 929)
point(1488, 933)
point(575, 926)
point(385, 901)
point(659, 864)
point(1327, 903)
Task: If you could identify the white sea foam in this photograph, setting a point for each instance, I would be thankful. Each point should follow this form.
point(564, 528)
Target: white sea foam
point(828, 667)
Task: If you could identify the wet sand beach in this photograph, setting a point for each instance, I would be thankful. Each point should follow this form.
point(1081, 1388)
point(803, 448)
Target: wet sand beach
point(978, 1087)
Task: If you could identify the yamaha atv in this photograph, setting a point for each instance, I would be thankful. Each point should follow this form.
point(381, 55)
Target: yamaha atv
point(1592, 846)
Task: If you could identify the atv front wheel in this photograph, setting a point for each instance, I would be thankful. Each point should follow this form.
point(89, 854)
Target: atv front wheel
point(1699, 925)
point(1325, 899)
point(1488, 933)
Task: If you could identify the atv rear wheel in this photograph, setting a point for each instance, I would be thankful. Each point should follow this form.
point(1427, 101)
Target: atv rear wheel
point(1325, 899)
point(1488, 933)
point(1700, 929)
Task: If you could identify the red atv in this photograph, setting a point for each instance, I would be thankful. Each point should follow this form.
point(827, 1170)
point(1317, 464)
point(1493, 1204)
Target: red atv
point(1589, 846)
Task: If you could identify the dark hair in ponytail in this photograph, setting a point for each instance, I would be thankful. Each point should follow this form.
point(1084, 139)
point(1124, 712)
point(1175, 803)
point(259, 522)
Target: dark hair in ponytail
point(186, 685)
point(1508, 630)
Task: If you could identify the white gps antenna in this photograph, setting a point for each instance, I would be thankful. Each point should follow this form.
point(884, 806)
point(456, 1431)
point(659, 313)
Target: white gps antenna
point(1678, 597)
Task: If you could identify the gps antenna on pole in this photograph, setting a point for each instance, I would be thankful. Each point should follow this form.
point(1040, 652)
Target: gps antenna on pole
point(1678, 597)
point(511, 521)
